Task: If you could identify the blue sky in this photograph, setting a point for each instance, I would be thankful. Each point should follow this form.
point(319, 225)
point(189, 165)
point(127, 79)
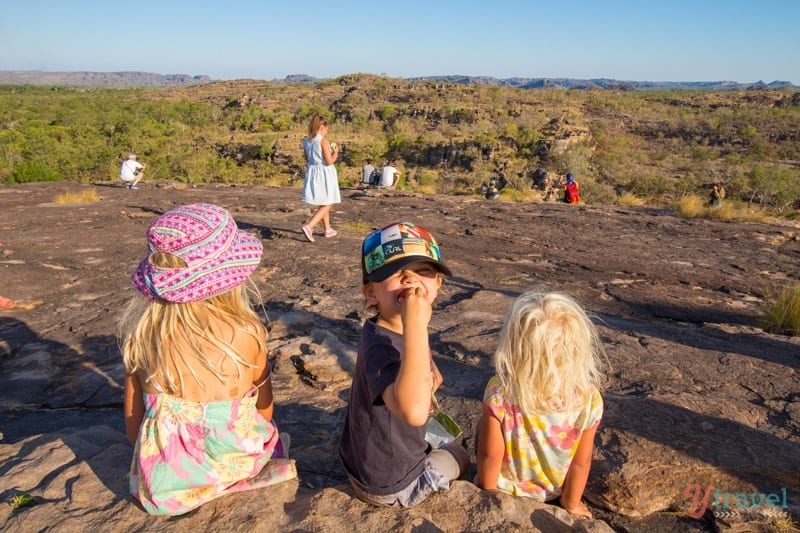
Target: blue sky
point(647, 40)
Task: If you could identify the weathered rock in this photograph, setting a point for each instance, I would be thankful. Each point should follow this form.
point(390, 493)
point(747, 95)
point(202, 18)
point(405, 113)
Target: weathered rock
point(697, 395)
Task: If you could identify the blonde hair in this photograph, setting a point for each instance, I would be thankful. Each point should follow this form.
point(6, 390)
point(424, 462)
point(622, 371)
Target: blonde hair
point(549, 357)
point(154, 334)
point(317, 121)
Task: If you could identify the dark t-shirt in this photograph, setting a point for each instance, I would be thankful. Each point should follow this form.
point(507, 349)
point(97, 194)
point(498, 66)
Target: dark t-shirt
point(382, 453)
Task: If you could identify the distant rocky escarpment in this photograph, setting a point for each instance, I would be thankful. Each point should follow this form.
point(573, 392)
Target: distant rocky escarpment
point(99, 79)
point(574, 83)
point(148, 79)
point(605, 83)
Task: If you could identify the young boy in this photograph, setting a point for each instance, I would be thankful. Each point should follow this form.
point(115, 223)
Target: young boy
point(383, 445)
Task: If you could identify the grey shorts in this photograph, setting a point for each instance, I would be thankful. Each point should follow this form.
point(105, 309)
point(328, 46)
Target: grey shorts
point(441, 467)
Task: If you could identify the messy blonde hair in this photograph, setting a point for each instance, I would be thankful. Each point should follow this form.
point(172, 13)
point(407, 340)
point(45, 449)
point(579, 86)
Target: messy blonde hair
point(153, 331)
point(549, 357)
point(317, 121)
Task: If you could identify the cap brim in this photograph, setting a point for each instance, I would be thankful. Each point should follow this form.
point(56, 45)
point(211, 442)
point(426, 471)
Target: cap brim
point(387, 270)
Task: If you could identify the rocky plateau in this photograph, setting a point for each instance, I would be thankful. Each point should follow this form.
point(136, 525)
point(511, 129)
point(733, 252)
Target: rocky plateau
point(699, 399)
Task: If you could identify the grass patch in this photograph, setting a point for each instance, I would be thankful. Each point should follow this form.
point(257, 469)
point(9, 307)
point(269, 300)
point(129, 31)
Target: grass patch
point(20, 500)
point(512, 195)
point(785, 524)
point(359, 227)
point(781, 314)
point(630, 200)
point(690, 206)
point(429, 188)
point(86, 197)
point(726, 211)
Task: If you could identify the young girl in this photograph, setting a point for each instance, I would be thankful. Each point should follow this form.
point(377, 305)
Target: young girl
point(542, 408)
point(198, 398)
point(321, 184)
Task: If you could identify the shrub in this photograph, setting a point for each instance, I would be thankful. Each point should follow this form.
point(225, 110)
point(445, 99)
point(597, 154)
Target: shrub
point(781, 314)
point(33, 171)
point(596, 193)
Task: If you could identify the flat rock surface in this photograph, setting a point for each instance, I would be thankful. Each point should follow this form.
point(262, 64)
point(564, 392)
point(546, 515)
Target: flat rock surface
point(697, 393)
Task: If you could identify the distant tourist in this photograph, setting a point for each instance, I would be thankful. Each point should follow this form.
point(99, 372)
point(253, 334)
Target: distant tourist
point(572, 193)
point(492, 192)
point(321, 184)
point(369, 175)
point(131, 171)
point(542, 407)
point(389, 175)
point(717, 195)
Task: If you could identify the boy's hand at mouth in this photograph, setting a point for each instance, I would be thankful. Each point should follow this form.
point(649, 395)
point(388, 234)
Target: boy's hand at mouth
point(415, 309)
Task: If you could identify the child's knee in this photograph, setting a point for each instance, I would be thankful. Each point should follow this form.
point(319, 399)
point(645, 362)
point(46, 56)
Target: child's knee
point(458, 458)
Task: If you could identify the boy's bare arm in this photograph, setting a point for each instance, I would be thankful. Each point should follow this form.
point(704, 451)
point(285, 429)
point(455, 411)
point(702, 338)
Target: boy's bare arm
point(409, 397)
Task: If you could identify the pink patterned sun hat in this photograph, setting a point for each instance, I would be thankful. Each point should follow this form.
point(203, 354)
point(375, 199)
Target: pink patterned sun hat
point(219, 256)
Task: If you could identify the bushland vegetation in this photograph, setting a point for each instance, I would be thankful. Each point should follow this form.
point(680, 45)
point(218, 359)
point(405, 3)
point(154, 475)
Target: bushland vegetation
point(649, 147)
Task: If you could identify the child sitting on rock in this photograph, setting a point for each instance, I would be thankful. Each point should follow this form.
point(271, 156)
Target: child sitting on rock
point(383, 446)
point(572, 194)
point(198, 397)
point(542, 407)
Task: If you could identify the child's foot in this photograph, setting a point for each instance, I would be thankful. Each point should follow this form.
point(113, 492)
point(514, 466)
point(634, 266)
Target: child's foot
point(5, 303)
point(308, 233)
point(330, 232)
point(133, 187)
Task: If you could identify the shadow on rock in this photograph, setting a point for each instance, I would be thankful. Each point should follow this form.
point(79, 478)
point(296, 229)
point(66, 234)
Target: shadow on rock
point(712, 337)
point(650, 451)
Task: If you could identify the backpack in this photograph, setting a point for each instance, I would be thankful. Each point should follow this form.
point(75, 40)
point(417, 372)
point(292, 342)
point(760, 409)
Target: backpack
point(372, 179)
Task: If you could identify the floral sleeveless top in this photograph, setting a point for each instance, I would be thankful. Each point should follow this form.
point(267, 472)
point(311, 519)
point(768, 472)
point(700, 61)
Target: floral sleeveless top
point(539, 447)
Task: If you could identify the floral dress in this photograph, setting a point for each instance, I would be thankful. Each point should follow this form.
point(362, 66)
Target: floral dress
point(189, 453)
point(539, 447)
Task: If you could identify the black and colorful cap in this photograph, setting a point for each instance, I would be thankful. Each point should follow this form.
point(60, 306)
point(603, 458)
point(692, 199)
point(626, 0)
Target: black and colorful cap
point(387, 250)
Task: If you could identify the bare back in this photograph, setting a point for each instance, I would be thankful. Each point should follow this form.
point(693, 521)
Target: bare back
point(208, 386)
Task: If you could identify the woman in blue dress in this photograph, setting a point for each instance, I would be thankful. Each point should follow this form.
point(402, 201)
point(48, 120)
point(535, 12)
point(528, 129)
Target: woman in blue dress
point(321, 185)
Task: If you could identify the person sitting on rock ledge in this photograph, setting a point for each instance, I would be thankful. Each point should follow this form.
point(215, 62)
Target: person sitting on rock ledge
point(198, 396)
point(717, 195)
point(572, 194)
point(382, 446)
point(542, 407)
point(389, 175)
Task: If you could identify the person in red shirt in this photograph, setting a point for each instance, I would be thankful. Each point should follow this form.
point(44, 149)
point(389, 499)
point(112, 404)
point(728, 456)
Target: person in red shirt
point(572, 193)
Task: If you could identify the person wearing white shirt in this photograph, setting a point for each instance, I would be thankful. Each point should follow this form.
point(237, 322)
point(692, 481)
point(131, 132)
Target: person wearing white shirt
point(131, 171)
point(389, 175)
